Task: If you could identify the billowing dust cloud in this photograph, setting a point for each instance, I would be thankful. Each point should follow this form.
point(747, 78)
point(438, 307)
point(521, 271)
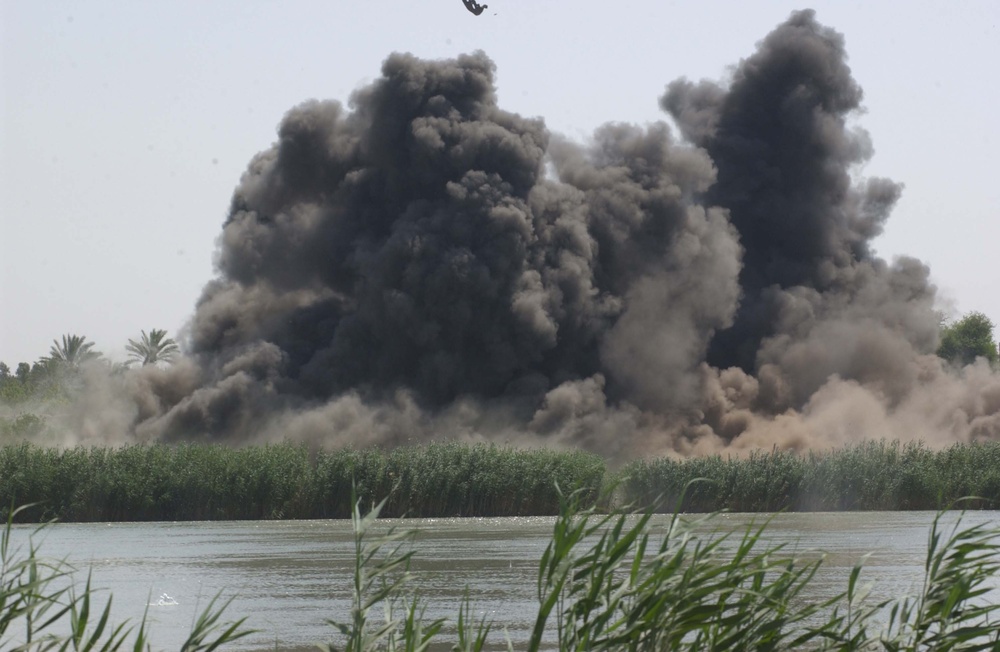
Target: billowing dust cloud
point(424, 264)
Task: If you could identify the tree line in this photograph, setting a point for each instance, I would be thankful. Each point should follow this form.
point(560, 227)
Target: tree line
point(52, 378)
point(74, 351)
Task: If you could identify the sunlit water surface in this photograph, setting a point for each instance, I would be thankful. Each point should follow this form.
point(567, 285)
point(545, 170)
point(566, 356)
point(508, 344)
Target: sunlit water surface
point(289, 577)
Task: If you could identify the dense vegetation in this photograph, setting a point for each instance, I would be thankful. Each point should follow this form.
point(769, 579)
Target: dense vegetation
point(968, 338)
point(207, 482)
point(200, 481)
point(608, 582)
point(214, 482)
point(868, 476)
point(604, 583)
point(32, 393)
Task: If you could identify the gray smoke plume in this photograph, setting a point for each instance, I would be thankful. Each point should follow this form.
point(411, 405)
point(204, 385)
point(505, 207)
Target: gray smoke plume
point(784, 156)
point(422, 263)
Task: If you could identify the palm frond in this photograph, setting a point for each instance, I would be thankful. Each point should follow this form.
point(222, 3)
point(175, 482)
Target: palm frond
point(152, 348)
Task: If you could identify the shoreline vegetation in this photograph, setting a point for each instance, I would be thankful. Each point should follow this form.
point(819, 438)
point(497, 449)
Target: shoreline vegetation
point(606, 582)
point(285, 481)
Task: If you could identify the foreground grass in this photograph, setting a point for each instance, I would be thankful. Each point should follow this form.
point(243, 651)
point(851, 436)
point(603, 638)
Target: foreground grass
point(605, 582)
point(43, 608)
point(215, 482)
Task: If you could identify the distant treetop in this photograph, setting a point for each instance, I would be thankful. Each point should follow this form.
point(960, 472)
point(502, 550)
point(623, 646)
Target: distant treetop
point(968, 338)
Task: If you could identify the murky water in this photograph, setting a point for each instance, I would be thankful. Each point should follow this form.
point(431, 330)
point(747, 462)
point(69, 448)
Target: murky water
point(289, 577)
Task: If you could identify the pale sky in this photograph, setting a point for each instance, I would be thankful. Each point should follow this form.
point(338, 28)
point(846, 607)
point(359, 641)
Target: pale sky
point(126, 125)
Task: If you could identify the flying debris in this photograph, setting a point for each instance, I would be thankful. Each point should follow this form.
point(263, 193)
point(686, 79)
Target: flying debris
point(474, 6)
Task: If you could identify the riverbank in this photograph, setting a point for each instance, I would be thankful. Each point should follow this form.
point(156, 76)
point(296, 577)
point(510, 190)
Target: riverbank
point(194, 482)
point(285, 481)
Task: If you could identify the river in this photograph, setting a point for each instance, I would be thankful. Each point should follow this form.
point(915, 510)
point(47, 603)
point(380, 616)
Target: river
point(289, 577)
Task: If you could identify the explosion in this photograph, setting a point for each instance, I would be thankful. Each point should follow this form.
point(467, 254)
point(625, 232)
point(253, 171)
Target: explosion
point(424, 264)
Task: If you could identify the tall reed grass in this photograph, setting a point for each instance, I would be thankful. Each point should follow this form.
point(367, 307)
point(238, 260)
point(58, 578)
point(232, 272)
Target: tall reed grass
point(43, 607)
point(608, 582)
point(212, 482)
point(215, 482)
point(874, 475)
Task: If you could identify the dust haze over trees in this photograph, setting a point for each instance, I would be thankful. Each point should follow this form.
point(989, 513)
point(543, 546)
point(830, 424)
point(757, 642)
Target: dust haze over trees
point(967, 339)
point(74, 351)
point(75, 393)
point(422, 263)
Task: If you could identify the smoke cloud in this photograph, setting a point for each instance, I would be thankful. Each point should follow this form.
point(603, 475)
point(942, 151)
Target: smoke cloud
point(422, 263)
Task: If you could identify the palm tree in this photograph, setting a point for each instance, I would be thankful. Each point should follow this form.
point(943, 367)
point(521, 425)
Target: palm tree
point(74, 351)
point(152, 348)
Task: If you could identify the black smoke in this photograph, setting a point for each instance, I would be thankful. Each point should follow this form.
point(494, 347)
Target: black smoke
point(424, 263)
point(784, 154)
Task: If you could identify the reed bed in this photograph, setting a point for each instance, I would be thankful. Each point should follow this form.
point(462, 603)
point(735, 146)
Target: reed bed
point(874, 475)
point(212, 482)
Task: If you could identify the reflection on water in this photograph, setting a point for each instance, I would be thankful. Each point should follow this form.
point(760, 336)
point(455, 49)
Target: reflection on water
point(289, 577)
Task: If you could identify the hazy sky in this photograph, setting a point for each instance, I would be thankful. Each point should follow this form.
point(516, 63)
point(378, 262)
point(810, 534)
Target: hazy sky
point(126, 126)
